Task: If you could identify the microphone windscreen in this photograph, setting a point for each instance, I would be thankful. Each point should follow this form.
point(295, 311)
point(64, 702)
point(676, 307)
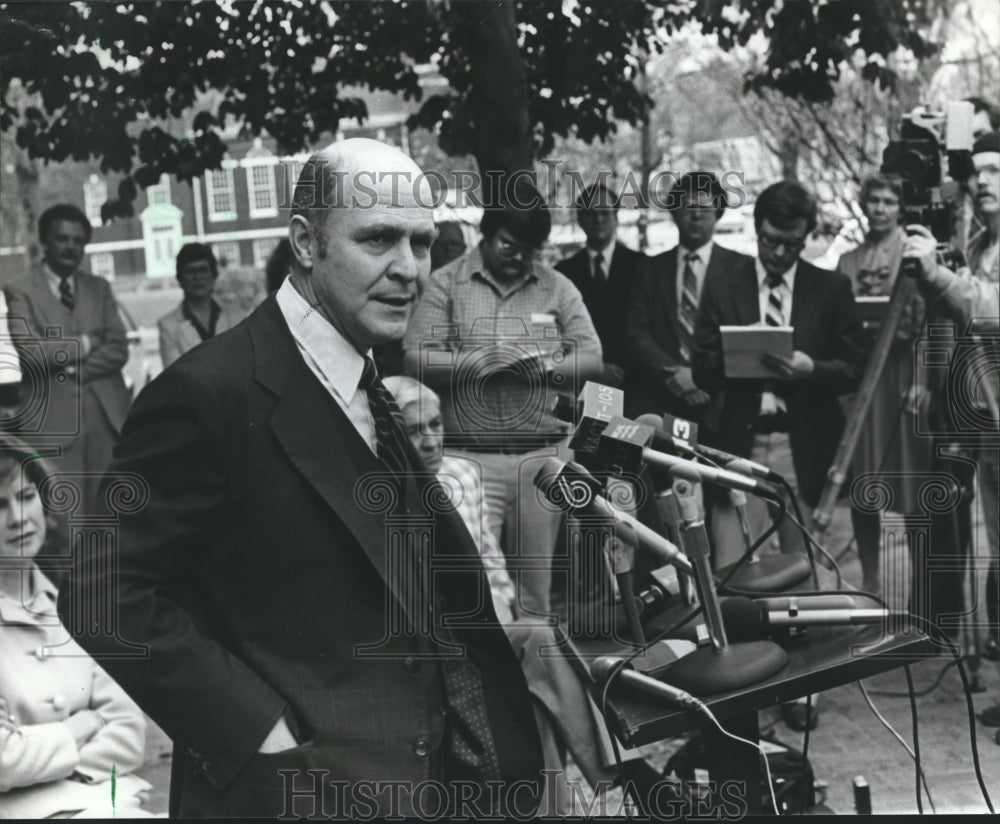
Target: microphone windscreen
point(565, 409)
point(743, 619)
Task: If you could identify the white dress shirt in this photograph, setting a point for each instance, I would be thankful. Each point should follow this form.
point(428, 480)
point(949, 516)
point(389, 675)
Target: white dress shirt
point(699, 267)
point(769, 402)
point(330, 357)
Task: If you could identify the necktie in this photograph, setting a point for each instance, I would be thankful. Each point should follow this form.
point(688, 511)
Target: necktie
point(689, 304)
point(66, 292)
point(599, 271)
point(775, 316)
point(390, 431)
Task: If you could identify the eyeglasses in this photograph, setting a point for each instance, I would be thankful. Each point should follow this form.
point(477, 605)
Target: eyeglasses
point(507, 247)
point(774, 243)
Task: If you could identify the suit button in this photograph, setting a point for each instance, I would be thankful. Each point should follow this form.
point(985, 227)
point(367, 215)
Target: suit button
point(411, 664)
point(443, 710)
point(421, 747)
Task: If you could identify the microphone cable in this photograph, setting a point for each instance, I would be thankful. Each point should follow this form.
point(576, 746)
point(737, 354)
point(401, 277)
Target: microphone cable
point(914, 753)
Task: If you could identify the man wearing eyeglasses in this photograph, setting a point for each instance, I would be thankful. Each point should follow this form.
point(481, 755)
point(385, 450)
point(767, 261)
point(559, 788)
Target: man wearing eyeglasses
point(497, 334)
point(793, 422)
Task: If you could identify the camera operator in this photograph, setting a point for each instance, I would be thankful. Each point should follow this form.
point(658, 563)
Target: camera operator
point(971, 299)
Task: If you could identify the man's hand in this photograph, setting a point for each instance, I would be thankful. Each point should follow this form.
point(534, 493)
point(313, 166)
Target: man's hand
point(682, 385)
point(799, 365)
point(86, 344)
point(83, 725)
point(920, 247)
point(278, 739)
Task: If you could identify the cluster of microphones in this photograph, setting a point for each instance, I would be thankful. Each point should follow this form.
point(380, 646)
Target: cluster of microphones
point(740, 650)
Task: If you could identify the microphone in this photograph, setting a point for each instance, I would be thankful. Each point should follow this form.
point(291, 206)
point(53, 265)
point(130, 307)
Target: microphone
point(590, 412)
point(624, 444)
point(603, 669)
point(573, 489)
point(669, 443)
point(750, 619)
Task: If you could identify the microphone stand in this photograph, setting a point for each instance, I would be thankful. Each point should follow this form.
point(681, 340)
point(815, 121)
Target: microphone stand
point(761, 573)
point(721, 666)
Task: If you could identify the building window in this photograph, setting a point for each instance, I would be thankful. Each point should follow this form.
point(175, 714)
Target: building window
point(262, 248)
point(227, 254)
point(220, 191)
point(261, 188)
point(159, 193)
point(102, 264)
point(95, 192)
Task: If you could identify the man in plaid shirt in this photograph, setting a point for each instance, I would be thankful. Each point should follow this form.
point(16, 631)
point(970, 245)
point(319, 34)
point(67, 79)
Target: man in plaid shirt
point(497, 334)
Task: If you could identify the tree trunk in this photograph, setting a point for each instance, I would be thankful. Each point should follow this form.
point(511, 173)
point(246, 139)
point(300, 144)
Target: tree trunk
point(501, 141)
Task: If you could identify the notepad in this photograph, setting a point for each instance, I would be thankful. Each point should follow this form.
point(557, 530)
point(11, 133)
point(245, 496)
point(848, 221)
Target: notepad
point(742, 347)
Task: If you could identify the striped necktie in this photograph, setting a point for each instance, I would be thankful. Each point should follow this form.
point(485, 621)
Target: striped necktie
point(390, 430)
point(66, 292)
point(775, 314)
point(689, 304)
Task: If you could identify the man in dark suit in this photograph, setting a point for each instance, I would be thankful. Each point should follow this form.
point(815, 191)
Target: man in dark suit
point(280, 571)
point(603, 271)
point(80, 390)
point(664, 303)
point(792, 423)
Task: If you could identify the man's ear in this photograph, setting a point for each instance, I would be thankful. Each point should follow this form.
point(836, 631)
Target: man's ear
point(303, 241)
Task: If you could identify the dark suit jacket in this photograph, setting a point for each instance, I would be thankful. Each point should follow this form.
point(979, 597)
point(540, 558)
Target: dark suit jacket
point(607, 306)
point(827, 328)
point(654, 332)
point(33, 307)
point(255, 569)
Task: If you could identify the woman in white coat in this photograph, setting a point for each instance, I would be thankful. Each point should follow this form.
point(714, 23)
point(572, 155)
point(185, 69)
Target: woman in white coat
point(69, 735)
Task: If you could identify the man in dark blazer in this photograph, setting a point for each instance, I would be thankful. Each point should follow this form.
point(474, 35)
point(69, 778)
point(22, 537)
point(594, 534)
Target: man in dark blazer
point(664, 303)
point(792, 423)
point(280, 570)
point(603, 271)
point(79, 392)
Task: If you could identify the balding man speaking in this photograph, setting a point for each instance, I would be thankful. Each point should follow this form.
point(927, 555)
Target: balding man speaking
point(298, 662)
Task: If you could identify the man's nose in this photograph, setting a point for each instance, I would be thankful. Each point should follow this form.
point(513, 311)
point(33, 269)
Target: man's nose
point(405, 264)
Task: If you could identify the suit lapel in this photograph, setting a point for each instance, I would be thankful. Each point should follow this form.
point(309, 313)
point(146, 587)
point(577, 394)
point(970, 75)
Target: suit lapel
point(745, 295)
point(668, 292)
point(315, 433)
point(50, 310)
point(803, 303)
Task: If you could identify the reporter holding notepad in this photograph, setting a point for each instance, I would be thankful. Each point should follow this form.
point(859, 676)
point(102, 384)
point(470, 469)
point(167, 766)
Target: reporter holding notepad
point(791, 421)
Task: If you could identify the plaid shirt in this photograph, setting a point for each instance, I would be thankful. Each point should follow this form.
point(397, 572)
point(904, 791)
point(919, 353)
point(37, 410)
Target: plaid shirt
point(463, 306)
point(461, 478)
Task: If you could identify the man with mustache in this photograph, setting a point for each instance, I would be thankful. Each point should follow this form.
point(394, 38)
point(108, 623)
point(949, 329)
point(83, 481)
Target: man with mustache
point(85, 397)
point(497, 334)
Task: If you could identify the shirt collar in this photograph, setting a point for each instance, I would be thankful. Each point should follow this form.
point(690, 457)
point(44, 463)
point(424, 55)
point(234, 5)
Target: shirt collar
point(54, 279)
point(39, 600)
point(337, 360)
point(788, 277)
point(703, 252)
point(606, 253)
